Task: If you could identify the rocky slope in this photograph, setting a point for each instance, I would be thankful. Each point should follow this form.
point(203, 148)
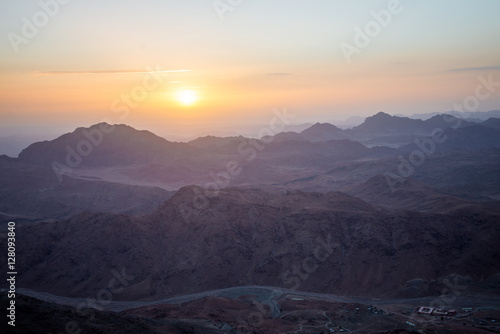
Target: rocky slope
point(329, 243)
point(33, 193)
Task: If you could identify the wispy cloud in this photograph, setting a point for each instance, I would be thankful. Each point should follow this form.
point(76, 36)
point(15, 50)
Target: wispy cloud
point(132, 71)
point(470, 69)
point(278, 73)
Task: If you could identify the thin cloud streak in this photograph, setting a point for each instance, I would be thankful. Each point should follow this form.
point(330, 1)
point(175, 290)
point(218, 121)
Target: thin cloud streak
point(278, 73)
point(469, 69)
point(108, 72)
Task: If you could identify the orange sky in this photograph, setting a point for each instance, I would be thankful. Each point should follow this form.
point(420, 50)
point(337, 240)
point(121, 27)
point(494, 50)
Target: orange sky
point(259, 56)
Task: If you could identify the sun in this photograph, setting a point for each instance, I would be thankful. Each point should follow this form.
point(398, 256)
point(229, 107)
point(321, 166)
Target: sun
point(187, 97)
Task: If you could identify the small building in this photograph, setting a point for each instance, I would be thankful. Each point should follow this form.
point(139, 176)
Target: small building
point(425, 310)
point(447, 313)
point(436, 311)
point(439, 312)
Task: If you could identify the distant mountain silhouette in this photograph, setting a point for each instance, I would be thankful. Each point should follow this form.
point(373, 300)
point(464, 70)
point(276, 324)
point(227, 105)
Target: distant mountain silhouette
point(383, 124)
point(319, 132)
point(287, 136)
point(379, 129)
point(409, 194)
point(307, 159)
point(103, 145)
point(471, 137)
point(493, 123)
point(322, 132)
point(475, 116)
point(213, 141)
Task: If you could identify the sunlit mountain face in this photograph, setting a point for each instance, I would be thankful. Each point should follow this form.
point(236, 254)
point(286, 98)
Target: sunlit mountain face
point(247, 167)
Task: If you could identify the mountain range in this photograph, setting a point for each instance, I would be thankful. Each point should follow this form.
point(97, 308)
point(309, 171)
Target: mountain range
point(393, 209)
point(320, 158)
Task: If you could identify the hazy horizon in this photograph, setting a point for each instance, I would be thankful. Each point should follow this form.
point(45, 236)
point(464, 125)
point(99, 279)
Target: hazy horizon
point(16, 138)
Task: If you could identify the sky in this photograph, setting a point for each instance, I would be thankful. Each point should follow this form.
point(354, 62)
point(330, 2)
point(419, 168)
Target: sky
point(225, 64)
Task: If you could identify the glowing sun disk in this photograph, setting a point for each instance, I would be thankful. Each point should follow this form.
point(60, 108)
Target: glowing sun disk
point(186, 97)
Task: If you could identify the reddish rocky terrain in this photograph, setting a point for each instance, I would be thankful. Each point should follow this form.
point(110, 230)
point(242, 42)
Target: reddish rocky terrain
point(318, 242)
